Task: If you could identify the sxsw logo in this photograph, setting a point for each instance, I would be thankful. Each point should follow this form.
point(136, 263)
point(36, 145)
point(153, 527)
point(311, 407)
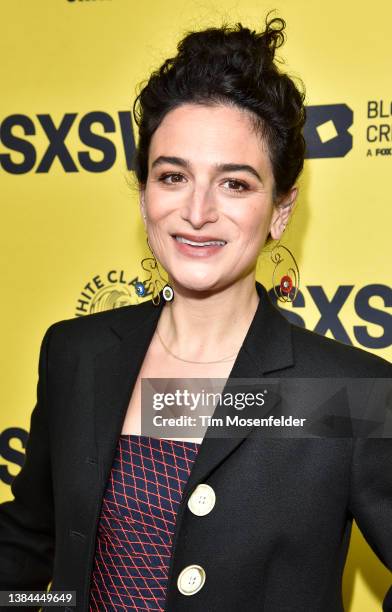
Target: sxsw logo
point(18, 132)
point(326, 134)
point(326, 130)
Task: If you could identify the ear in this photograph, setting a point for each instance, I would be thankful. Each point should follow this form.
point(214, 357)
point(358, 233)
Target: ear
point(282, 211)
point(142, 204)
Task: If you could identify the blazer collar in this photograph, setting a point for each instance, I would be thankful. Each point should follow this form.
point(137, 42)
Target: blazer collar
point(268, 342)
point(267, 347)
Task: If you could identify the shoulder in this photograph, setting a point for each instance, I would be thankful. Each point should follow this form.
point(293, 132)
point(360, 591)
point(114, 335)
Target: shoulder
point(95, 332)
point(323, 356)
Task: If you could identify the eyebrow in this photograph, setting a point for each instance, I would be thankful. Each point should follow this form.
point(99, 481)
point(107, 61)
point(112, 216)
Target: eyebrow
point(228, 167)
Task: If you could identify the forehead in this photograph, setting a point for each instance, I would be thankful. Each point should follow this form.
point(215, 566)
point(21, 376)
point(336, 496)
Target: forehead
point(210, 134)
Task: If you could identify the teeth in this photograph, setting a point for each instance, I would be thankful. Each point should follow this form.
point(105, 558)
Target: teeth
point(210, 242)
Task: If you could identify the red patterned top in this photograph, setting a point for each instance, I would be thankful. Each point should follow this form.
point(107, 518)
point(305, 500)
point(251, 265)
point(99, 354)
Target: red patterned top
point(137, 521)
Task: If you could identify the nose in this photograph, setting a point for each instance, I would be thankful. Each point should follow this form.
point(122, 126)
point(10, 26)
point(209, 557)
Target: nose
point(200, 208)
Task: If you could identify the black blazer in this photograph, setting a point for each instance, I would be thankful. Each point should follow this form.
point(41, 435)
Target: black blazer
point(277, 537)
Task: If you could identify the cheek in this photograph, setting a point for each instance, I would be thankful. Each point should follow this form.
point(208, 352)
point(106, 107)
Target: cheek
point(158, 203)
point(255, 223)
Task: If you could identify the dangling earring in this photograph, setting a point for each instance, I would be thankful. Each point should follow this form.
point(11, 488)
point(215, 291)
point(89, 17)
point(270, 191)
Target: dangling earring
point(289, 282)
point(155, 282)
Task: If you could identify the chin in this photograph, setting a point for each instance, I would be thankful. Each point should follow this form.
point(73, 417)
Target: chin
point(194, 282)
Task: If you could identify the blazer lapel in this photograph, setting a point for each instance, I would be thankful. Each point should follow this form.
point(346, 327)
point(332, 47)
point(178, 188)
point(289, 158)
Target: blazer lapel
point(266, 348)
point(116, 371)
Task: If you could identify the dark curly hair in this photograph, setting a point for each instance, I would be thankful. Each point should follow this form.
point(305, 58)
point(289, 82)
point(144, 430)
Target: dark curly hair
point(235, 66)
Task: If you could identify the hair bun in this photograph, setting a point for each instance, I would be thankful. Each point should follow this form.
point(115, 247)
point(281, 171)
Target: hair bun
point(235, 46)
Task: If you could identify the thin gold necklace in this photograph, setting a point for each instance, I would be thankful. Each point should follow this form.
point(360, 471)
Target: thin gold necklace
point(189, 360)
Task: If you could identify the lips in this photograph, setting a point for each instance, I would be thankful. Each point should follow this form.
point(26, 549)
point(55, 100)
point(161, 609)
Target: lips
point(199, 241)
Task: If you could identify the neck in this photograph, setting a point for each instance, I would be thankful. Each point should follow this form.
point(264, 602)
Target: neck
point(211, 325)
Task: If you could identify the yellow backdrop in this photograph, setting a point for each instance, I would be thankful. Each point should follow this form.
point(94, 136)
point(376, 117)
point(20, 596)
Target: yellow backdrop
point(71, 237)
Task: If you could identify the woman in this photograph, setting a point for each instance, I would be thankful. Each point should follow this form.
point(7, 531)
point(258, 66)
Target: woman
point(130, 521)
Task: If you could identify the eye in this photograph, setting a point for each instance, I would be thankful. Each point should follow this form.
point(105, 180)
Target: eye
point(164, 178)
point(237, 186)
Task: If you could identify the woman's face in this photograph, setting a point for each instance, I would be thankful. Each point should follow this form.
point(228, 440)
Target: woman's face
point(209, 179)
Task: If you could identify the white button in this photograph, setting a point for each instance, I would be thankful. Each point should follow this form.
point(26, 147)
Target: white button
point(202, 500)
point(191, 579)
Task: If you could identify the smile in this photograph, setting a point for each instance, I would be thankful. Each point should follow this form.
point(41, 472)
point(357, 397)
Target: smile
point(199, 243)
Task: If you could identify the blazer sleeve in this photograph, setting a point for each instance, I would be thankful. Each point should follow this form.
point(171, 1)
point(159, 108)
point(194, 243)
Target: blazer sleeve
point(27, 521)
point(371, 498)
